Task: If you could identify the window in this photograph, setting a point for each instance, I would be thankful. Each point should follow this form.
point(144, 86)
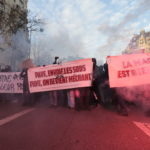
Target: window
point(148, 40)
point(21, 1)
point(141, 41)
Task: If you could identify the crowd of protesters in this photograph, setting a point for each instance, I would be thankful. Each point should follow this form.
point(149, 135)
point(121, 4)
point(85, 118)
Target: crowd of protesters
point(80, 98)
point(5, 68)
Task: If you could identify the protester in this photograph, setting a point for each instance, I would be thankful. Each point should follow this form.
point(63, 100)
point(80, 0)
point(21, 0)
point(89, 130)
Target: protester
point(56, 60)
point(82, 98)
point(5, 68)
point(53, 98)
point(71, 98)
point(77, 95)
point(110, 95)
point(85, 98)
point(105, 92)
point(96, 98)
point(26, 92)
point(54, 94)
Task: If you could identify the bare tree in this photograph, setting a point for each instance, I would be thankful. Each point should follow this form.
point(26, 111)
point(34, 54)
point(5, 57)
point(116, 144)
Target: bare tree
point(16, 25)
point(34, 22)
point(16, 18)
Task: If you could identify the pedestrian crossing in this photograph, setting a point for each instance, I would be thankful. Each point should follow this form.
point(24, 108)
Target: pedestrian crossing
point(145, 127)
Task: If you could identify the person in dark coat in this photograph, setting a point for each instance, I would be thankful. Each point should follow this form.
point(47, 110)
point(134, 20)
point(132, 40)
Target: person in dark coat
point(56, 60)
point(53, 95)
point(111, 96)
point(25, 80)
point(95, 84)
point(26, 94)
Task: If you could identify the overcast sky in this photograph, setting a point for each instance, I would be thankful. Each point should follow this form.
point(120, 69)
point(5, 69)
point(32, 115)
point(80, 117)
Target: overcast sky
point(89, 28)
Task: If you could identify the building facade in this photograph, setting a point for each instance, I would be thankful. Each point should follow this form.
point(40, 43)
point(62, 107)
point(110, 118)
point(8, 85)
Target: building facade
point(140, 43)
point(14, 39)
point(14, 3)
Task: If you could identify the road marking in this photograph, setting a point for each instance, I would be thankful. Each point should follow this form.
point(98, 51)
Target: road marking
point(145, 127)
point(15, 116)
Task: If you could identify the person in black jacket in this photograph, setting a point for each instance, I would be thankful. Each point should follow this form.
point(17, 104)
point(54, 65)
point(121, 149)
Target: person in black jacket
point(111, 96)
point(25, 80)
point(95, 83)
point(26, 92)
point(56, 60)
point(54, 94)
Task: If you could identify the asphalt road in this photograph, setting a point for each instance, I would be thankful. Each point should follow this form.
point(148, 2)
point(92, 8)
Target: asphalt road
point(44, 128)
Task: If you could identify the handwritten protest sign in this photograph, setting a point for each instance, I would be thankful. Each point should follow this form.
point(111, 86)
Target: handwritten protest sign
point(63, 76)
point(129, 70)
point(10, 82)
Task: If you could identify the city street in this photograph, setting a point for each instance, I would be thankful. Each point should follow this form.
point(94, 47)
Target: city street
point(45, 128)
point(59, 59)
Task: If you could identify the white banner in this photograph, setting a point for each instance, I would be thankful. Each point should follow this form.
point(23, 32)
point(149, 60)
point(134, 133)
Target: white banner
point(68, 75)
point(129, 70)
point(10, 82)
